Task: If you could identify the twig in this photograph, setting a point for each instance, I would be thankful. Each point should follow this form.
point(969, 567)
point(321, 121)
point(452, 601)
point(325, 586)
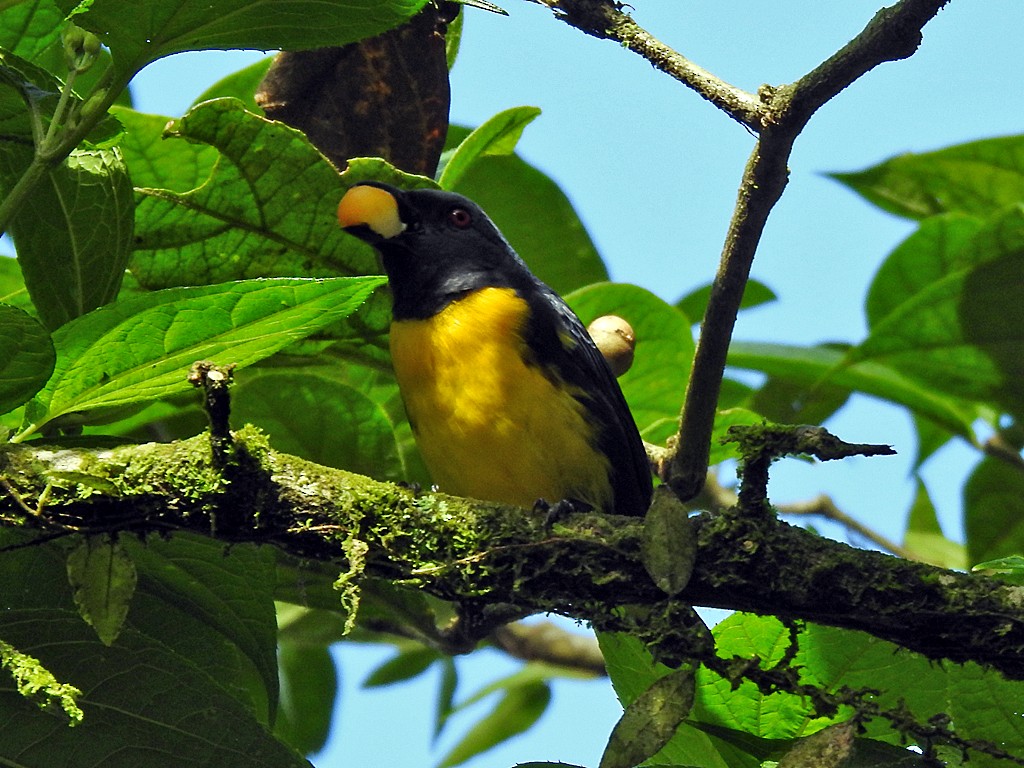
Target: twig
point(606, 20)
point(823, 506)
point(894, 33)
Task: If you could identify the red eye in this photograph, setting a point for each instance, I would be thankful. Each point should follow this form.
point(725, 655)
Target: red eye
point(459, 218)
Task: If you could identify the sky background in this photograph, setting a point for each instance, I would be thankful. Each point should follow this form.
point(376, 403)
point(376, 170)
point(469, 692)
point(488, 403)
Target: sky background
point(653, 171)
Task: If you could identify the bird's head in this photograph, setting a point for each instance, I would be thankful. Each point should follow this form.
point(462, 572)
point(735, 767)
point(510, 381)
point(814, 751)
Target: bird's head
point(436, 246)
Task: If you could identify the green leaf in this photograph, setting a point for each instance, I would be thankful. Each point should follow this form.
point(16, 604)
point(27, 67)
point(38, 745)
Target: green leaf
point(929, 254)
point(158, 162)
point(404, 665)
point(103, 578)
point(963, 334)
point(498, 136)
point(650, 721)
point(669, 544)
point(994, 511)
point(723, 449)
point(141, 349)
point(534, 215)
point(142, 703)
point(26, 356)
point(979, 701)
point(168, 685)
point(193, 25)
point(975, 178)
point(241, 85)
point(309, 687)
point(790, 402)
point(930, 438)
point(213, 606)
point(362, 437)
point(518, 708)
point(814, 366)
point(28, 29)
point(633, 670)
point(655, 385)
point(268, 209)
point(924, 538)
point(74, 235)
point(755, 294)
point(1009, 568)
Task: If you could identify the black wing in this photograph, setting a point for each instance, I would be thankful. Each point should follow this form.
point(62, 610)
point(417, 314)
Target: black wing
point(561, 343)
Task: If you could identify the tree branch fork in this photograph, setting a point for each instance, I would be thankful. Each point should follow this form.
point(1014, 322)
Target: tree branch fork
point(481, 556)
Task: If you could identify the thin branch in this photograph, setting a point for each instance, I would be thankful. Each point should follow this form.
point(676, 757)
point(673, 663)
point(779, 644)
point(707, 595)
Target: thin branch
point(606, 20)
point(894, 33)
point(824, 506)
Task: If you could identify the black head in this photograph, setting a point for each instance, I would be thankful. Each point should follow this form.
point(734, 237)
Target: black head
point(436, 246)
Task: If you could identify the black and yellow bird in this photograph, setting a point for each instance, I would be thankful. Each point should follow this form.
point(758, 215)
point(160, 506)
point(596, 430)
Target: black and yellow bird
point(508, 397)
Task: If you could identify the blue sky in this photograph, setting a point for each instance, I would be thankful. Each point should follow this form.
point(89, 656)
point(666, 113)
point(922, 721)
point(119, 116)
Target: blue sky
point(653, 171)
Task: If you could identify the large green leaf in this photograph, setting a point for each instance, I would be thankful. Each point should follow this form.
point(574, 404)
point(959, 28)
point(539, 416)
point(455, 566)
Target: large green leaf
point(163, 689)
point(28, 29)
point(980, 702)
point(655, 385)
point(141, 348)
point(974, 178)
point(74, 235)
point(815, 366)
point(963, 333)
point(269, 208)
point(157, 28)
point(534, 215)
point(213, 606)
point(26, 356)
point(929, 254)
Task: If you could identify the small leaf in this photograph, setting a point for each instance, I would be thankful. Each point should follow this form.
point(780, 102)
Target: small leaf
point(103, 578)
point(534, 215)
point(497, 136)
point(669, 545)
point(26, 357)
point(650, 721)
point(241, 85)
point(1009, 568)
point(924, 538)
point(404, 665)
point(518, 708)
point(309, 687)
point(755, 294)
point(141, 348)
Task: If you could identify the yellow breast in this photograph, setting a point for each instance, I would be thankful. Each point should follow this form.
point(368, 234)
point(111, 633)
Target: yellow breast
point(489, 425)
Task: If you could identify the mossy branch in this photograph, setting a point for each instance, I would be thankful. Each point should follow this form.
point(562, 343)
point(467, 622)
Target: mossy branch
point(587, 567)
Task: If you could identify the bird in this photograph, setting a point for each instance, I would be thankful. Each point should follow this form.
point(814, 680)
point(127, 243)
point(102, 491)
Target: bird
point(508, 397)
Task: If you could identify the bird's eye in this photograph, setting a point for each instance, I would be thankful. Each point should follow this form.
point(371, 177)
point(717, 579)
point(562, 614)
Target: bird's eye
point(459, 218)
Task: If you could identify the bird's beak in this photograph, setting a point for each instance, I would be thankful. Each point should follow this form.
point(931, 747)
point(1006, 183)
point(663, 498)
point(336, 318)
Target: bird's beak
point(371, 207)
